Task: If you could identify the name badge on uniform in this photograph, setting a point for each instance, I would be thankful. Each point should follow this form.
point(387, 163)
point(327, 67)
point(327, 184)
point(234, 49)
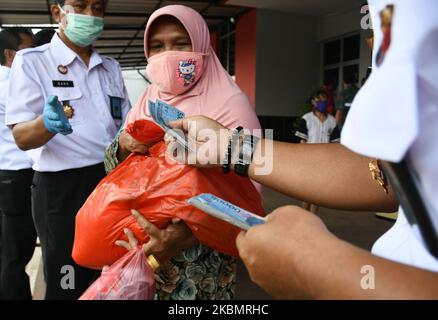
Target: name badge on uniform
point(63, 84)
point(116, 108)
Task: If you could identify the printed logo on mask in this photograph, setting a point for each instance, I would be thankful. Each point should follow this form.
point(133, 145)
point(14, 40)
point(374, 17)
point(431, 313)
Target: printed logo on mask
point(186, 73)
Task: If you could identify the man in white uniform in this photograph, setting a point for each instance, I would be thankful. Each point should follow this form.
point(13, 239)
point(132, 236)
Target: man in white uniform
point(393, 117)
point(17, 230)
point(404, 117)
point(71, 104)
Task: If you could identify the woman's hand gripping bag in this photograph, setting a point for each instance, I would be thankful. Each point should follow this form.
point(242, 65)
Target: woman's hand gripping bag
point(159, 190)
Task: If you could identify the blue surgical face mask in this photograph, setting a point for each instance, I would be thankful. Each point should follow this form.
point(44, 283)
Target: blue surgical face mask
point(83, 30)
point(321, 106)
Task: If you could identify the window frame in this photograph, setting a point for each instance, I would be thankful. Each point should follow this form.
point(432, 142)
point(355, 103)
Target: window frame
point(340, 66)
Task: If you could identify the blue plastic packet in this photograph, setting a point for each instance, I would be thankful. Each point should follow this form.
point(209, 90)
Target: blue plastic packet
point(226, 211)
point(162, 113)
point(167, 113)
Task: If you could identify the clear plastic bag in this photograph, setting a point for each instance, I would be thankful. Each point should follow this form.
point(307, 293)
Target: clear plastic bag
point(129, 278)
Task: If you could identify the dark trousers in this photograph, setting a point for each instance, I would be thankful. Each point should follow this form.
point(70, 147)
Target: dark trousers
point(56, 198)
point(18, 233)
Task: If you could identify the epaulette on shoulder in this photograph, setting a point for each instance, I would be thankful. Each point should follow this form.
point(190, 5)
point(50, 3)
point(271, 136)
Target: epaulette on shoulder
point(33, 50)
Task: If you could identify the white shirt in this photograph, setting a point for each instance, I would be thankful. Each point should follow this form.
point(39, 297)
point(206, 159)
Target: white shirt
point(32, 76)
point(396, 115)
point(11, 158)
point(317, 131)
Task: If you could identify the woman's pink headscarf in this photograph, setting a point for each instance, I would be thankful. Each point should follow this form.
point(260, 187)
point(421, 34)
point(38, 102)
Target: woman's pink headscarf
point(215, 95)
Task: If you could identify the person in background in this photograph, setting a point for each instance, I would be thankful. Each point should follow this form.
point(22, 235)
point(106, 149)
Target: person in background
point(18, 235)
point(318, 126)
point(345, 98)
point(42, 37)
point(66, 103)
point(328, 89)
point(178, 34)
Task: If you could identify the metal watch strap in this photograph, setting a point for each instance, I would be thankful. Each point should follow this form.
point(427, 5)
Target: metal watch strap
point(246, 153)
point(231, 144)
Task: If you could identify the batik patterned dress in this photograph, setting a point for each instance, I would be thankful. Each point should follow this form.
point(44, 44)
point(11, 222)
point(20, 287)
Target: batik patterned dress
point(197, 273)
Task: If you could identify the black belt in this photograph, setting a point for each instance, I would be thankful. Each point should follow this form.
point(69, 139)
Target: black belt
point(407, 189)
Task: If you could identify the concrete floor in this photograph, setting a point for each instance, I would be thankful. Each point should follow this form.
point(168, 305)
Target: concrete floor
point(35, 271)
point(359, 228)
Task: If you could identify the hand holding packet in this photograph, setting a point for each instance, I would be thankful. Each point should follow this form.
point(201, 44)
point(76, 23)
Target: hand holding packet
point(226, 211)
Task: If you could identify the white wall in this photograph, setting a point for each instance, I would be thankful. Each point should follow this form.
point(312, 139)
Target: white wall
point(334, 25)
point(289, 56)
point(287, 62)
point(135, 84)
point(343, 23)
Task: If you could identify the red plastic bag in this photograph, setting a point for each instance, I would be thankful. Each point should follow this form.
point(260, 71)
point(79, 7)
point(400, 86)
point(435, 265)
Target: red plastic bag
point(130, 278)
point(145, 131)
point(158, 190)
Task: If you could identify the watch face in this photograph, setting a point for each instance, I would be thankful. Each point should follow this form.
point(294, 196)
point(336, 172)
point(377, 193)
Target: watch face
point(247, 153)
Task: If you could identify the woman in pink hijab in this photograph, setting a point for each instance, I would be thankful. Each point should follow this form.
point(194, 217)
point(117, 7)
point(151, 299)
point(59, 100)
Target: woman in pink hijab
point(186, 73)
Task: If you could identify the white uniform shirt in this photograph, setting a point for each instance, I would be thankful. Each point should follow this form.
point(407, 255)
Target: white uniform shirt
point(11, 158)
point(395, 115)
point(94, 128)
point(316, 131)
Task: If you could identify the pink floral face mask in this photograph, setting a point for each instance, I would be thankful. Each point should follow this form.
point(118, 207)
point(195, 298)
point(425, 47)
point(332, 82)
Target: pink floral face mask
point(175, 72)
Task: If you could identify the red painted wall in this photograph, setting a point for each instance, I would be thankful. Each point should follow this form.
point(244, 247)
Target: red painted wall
point(246, 54)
